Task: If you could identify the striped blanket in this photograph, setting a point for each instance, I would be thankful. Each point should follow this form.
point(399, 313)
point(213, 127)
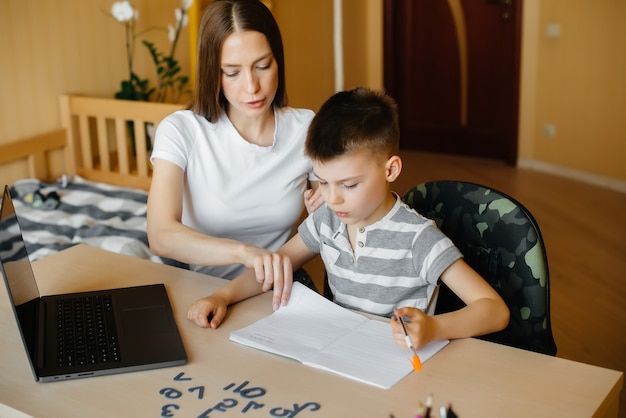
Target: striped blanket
point(73, 210)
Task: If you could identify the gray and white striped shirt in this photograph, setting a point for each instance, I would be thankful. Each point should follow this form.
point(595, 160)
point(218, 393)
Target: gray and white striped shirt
point(396, 261)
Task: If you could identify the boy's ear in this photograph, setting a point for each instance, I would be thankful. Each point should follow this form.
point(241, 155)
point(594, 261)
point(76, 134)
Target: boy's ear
point(393, 167)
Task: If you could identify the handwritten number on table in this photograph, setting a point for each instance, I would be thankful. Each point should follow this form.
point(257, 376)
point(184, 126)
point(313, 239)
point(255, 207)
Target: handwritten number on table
point(244, 390)
point(171, 393)
point(281, 412)
point(246, 393)
point(167, 410)
point(200, 390)
point(179, 377)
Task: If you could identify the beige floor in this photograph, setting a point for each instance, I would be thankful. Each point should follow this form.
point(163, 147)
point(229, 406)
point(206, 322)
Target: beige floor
point(584, 229)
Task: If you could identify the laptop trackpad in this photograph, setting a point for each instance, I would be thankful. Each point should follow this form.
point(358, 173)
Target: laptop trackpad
point(148, 320)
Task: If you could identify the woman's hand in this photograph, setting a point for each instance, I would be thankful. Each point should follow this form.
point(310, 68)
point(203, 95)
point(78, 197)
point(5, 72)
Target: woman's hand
point(208, 312)
point(274, 271)
point(313, 199)
point(271, 270)
point(419, 326)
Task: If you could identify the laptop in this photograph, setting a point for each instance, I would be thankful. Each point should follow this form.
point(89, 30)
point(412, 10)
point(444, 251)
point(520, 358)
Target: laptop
point(88, 333)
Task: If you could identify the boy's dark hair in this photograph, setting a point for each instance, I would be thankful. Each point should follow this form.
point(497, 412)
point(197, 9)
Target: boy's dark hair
point(219, 20)
point(354, 120)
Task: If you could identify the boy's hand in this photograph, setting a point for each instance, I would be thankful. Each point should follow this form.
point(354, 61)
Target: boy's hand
point(419, 326)
point(208, 312)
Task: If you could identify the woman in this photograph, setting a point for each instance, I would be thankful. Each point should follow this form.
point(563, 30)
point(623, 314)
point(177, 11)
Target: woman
point(230, 171)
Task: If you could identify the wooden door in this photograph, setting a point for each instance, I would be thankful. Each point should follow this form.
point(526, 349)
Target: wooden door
point(453, 68)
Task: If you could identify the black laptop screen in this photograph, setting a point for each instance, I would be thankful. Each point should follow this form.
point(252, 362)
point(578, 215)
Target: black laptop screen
point(17, 271)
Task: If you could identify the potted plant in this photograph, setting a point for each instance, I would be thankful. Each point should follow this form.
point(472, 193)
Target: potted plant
point(171, 85)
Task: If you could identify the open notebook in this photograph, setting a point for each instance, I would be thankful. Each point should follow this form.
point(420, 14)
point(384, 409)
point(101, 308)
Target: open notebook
point(321, 334)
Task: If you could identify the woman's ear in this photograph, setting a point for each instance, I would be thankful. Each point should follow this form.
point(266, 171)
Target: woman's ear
point(393, 167)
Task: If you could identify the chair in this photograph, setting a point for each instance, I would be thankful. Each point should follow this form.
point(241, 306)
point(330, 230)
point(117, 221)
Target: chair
point(501, 240)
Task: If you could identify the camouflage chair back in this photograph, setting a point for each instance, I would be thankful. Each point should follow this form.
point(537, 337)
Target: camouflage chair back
point(500, 239)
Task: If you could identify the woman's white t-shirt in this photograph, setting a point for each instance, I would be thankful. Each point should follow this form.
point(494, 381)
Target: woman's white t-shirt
point(235, 189)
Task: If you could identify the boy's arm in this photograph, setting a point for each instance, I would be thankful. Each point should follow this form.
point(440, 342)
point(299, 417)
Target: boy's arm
point(211, 310)
point(485, 312)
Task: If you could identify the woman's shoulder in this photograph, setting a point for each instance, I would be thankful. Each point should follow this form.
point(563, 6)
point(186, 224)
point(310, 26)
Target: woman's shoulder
point(185, 116)
point(296, 115)
point(187, 123)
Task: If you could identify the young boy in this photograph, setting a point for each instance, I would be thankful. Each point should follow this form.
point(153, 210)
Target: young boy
point(381, 257)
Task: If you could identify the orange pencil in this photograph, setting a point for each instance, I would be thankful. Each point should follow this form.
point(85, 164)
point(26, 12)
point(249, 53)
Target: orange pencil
point(415, 361)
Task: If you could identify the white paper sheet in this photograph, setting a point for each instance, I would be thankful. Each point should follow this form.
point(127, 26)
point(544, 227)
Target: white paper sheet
point(321, 334)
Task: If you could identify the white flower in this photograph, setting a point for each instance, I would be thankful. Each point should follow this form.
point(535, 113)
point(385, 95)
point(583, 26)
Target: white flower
point(179, 14)
point(171, 32)
point(123, 11)
point(186, 4)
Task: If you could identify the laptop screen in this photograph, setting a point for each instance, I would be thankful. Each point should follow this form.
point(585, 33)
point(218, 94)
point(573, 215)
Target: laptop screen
point(13, 255)
point(17, 271)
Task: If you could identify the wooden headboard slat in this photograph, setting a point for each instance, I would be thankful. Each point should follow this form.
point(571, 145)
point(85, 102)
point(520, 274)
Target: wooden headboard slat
point(103, 144)
point(84, 143)
point(140, 147)
point(122, 144)
point(96, 141)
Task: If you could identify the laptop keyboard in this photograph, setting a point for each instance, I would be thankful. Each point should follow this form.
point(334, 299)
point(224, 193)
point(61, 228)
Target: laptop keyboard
point(86, 331)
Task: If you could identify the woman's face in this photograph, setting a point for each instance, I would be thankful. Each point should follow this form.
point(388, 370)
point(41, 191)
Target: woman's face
point(249, 74)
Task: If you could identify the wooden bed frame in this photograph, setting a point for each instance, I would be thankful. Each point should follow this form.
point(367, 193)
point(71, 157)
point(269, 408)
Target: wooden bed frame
point(96, 138)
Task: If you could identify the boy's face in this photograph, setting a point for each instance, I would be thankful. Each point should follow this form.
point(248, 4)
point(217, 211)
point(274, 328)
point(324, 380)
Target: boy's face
point(356, 186)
